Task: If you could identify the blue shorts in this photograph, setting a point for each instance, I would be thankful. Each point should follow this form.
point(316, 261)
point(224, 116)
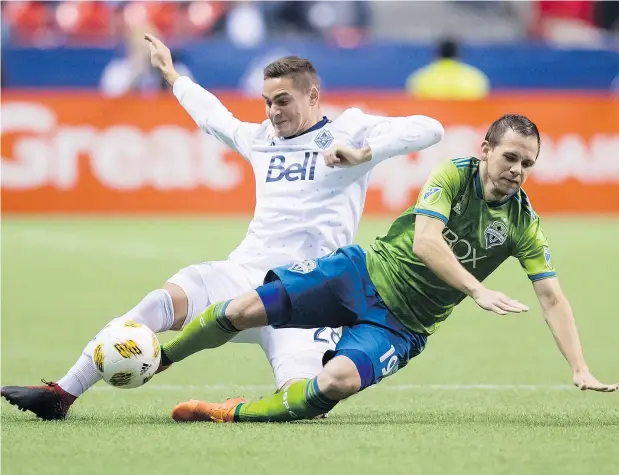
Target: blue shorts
point(337, 291)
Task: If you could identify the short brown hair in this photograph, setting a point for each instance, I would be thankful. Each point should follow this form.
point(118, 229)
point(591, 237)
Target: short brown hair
point(300, 70)
point(518, 123)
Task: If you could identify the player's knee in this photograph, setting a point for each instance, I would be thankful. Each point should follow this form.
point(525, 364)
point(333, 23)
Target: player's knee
point(247, 311)
point(180, 304)
point(338, 387)
point(339, 379)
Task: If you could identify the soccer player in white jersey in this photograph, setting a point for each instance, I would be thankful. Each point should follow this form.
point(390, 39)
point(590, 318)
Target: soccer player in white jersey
point(309, 200)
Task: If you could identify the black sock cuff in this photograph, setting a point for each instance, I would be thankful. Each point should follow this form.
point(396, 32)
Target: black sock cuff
point(165, 360)
point(221, 320)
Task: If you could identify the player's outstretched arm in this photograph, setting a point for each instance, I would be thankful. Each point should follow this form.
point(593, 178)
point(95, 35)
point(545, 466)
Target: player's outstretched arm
point(560, 318)
point(431, 248)
point(384, 137)
point(203, 107)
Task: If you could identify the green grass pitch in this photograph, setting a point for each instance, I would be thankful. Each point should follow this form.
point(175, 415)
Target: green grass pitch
point(490, 395)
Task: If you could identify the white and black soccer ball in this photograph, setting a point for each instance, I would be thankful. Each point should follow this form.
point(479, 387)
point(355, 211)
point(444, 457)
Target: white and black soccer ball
point(126, 354)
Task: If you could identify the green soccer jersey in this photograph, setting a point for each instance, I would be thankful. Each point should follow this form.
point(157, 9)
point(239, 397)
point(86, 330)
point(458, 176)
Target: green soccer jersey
point(481, 234)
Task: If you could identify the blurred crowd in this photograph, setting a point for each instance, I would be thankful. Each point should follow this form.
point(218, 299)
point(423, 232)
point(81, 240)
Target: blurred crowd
point(347, 23)
point(242, 22)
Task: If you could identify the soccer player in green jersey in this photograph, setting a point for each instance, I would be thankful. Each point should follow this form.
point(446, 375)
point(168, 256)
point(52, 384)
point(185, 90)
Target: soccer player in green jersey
point(470, 216)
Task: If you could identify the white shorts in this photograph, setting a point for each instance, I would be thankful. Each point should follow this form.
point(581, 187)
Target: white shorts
point(292, 353)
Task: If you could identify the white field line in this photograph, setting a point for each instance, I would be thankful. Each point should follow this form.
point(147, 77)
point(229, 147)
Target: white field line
point(386, 388)
point(70, 243)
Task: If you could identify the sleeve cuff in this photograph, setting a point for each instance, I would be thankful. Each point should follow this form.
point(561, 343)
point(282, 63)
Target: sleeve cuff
point(403, 135)
point(380, 150)
point(181, 85)
point(543, 275)
point(432, 214)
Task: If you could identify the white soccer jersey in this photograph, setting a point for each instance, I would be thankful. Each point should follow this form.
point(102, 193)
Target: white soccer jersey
point(304, 209)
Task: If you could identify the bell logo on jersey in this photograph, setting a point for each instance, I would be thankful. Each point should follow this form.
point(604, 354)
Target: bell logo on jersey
point(324, 139)
point(303, 267)
point(496, 234)
point(295, 171)
point(432, 195)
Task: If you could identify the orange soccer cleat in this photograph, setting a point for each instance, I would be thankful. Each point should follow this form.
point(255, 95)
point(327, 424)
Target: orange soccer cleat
point(202, 411)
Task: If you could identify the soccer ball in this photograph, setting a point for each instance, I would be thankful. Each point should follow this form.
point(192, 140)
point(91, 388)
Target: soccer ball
point(127, 354)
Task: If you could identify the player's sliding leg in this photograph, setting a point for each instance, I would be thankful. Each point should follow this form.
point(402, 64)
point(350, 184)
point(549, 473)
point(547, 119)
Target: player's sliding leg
point(269, 304)
point(304, 399)
point(369, 351)
point(52, 401)
point(211, 329)
point(219, 323)
point(289, 299)
point(374, 344)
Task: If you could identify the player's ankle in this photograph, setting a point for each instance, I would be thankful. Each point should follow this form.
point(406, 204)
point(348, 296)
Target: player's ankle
point(165, 360)
point(66, 396)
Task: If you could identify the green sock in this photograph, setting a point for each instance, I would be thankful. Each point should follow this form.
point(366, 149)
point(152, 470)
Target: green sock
point(210, 329)
point(300, 400)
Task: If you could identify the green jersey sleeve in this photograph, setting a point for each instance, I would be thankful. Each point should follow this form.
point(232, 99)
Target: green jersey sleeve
point(439, 191)
point(534, 254)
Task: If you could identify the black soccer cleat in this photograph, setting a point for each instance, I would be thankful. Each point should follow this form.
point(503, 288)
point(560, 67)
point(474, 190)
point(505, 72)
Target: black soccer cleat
point(49, 402)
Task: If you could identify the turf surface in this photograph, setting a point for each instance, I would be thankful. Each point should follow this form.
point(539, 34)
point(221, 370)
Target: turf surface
point(490, 395)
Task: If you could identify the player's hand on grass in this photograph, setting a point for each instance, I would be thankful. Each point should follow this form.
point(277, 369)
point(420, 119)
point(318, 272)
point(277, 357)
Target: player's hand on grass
point(161, 58)
point(584, 381)
point(344, 157)
point(497, 302)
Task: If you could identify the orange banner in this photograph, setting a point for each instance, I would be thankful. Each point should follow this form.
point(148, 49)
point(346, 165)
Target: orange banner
point(78, 153)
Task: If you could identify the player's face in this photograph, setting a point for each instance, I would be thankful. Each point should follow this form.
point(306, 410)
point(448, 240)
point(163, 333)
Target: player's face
point(287, 107)
point(510, 162)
